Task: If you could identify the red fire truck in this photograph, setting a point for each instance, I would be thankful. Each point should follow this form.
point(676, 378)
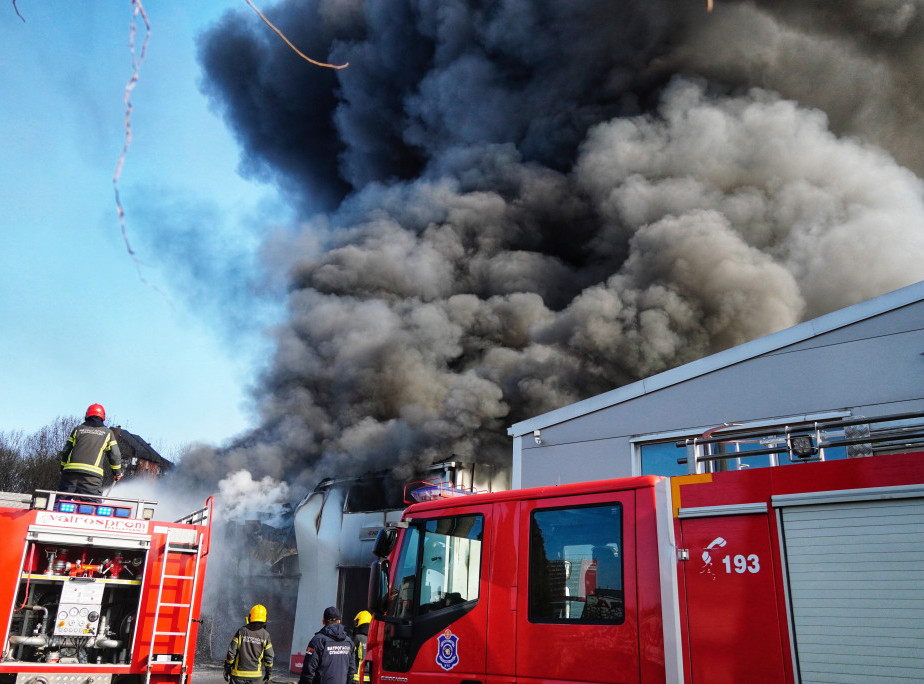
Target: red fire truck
point(811, 571)
point(98, 590)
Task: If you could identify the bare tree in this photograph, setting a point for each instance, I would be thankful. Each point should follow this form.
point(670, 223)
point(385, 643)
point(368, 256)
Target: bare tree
point(39, 472)
point(10, 460)
point(30, 462)
point(40, 459)
point(174, 453)
point(50, 439)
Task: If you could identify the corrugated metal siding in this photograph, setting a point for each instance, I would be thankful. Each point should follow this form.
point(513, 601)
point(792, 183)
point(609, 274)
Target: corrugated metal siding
point(856, 582)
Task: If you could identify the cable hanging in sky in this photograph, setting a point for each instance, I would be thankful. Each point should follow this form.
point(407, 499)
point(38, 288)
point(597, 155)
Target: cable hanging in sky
point(289, 43)
point(137, 10)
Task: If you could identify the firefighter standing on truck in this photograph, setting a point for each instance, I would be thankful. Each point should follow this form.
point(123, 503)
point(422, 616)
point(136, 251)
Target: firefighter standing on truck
point(250, 654)
point(329, 656)
point(360, 638)
point(83, 453)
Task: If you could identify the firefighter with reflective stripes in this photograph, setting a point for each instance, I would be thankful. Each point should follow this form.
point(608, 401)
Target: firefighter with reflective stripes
point(360, 638)
point(83, 454)
point(250, 654)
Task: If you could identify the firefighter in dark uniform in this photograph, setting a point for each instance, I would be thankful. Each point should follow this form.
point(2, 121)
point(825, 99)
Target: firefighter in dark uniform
point(83, 454)
point(329, 656)
point(250, 654)
point(360, 638)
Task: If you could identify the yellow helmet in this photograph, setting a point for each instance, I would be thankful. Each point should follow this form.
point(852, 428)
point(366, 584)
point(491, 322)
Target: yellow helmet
point(257, 614)
point(363, 617)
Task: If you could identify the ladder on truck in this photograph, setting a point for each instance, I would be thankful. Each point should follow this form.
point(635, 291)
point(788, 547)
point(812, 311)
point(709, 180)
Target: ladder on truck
point(172, 547)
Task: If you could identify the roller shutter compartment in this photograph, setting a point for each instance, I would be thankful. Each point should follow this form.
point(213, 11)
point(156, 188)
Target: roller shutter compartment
point(856, 589)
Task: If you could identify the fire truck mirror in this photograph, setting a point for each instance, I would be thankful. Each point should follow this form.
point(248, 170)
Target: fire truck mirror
point(378, 587)
point(384, 542)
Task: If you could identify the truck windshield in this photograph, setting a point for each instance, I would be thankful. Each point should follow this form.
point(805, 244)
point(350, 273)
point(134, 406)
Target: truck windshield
point(438, 566)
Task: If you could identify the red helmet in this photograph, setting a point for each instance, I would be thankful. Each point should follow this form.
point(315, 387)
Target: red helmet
point(96, 410)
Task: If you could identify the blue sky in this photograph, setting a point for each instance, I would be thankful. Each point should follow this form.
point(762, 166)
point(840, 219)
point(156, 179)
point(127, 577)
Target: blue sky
point(168, 353)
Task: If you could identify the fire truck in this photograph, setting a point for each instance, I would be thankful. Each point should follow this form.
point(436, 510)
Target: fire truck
point(98, 591)
point(810, 569)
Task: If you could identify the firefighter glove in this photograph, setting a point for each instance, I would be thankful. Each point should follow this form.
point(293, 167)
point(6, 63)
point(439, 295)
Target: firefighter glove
point(266, 675)
point(227, 676)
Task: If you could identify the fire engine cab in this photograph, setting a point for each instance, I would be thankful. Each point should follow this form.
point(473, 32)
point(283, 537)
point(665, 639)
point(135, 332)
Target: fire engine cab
point(97, 590)
point(808, 570)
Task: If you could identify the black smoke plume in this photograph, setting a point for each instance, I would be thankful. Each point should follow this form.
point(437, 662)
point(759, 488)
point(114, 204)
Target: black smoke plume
point(509, 206)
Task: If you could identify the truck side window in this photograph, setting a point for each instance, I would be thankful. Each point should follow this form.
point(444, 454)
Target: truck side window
point(575, 565)
point(450, 566)
point(400, 601)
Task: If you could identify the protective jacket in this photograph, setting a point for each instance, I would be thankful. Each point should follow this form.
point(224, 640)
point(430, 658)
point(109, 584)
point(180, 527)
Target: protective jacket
point(329, 657)
point(360, 638)
point(250, 654)
point(84, 450)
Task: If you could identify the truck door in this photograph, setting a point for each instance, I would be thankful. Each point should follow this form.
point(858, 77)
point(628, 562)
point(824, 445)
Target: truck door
point(577, 615)
point(732, 610)
point(434, 629)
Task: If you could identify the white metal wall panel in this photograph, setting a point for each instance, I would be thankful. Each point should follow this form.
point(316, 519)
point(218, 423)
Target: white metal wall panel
point(856, 586)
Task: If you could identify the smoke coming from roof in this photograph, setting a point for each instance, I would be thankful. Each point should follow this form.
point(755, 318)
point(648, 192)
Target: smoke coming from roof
point(510, 206)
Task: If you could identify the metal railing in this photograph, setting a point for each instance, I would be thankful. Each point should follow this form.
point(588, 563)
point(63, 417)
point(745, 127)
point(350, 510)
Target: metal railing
point(200, 517)
point(804, 441)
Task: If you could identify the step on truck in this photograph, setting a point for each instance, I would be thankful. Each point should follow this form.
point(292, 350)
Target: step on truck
point(98, 590)
point(808, 570)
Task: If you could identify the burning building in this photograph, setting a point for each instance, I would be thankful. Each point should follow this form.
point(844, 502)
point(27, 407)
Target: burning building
point(336, 526)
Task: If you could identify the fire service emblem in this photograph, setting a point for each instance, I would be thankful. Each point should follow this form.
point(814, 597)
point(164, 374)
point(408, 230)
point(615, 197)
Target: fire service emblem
point(447, 652)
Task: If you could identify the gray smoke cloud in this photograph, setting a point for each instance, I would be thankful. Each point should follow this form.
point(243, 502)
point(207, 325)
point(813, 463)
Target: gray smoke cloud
point(510, 206)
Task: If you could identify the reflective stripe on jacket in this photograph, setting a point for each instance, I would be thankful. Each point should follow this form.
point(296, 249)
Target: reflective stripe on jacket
point(84, 450)
point(250, 651)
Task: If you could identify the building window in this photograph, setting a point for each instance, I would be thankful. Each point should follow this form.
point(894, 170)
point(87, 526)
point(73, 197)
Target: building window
point(660, 458)
point(575, 565)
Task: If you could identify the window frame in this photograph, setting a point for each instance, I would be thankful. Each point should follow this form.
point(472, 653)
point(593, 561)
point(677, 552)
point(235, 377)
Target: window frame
point(601, 602)
point(414, 597)
point(478, 524)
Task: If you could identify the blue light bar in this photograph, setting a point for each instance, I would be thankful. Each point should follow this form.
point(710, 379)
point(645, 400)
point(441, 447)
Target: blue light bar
point(122, 513)
point(86, 509)
point(67, 507)
point(105, 511)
